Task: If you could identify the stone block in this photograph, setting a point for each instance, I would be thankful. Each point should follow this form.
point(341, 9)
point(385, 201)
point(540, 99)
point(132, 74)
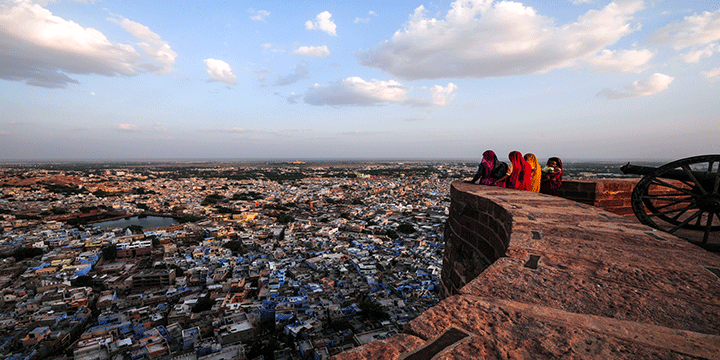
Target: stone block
point(578, 195)
point(571, 186)
point(590, 187)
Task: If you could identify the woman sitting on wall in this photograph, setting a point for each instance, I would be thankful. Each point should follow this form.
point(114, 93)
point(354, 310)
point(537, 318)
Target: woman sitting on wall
point(519, 173)
point(536, 171)
point(551, 180)
point(488, 166)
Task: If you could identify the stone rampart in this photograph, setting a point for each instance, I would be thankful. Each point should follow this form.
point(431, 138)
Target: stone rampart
point(531, 276)
point(611, 195)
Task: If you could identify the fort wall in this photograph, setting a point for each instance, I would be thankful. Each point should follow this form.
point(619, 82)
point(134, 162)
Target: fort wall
point(531, 276)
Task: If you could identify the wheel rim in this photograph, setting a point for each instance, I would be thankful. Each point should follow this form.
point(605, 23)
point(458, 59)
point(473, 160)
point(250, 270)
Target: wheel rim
point(683, 194)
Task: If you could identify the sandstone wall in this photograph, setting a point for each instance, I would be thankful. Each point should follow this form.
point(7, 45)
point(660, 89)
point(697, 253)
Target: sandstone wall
point(479, 232)
point(611, 195)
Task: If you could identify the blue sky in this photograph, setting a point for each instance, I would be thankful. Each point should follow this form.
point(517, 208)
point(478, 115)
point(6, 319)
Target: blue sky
point(580, 79)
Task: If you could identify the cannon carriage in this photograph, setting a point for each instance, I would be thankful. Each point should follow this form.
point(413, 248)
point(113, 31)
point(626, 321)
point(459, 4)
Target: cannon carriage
point(679, 195)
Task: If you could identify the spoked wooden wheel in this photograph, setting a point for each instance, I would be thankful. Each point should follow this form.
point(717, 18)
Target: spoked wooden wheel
point(682, 194)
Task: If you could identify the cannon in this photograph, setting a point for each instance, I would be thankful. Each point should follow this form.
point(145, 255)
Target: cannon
point(682, 194)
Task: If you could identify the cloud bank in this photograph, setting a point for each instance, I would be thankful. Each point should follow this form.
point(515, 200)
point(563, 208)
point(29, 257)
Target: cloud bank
point(41, 49)
point(654, 84)
point(699, 35)
point(484, 38)
point(151, 44)
point(694, 30)
point(354, 91)
point(313, 51)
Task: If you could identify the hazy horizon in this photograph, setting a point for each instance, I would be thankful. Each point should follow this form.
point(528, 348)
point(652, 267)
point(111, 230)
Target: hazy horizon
point(290, 160)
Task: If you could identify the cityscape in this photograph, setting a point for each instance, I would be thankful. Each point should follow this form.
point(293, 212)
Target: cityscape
point(275, 260)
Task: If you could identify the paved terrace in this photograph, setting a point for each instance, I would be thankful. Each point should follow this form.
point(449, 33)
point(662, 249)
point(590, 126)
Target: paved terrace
point(531, 276)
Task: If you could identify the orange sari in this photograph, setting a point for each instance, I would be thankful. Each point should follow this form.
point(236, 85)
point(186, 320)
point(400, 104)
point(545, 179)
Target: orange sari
point(536, 171)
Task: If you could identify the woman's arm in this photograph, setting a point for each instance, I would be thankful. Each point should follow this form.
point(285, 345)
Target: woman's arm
point(507, 175)
point(478, 175)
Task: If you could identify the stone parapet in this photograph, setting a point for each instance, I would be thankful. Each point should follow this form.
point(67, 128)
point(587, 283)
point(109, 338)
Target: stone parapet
point(611, 195)
point(531, 276)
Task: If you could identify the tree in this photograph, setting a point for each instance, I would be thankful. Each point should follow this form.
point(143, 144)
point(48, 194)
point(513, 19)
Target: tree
point(371, 310)
point(211, 199)
point(406, 228)
point(204, 303)
point(284, 218)
point(155, 240)
point(135, 229)
point(109, 252)
point(26, 253)
point(179, 271)
point(235, 246)
point(83, 280)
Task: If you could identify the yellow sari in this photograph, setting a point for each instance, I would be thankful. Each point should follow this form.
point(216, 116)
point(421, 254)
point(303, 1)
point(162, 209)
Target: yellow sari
point(536, 171)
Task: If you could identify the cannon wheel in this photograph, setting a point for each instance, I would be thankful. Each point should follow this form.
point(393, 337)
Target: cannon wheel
point(671, 205)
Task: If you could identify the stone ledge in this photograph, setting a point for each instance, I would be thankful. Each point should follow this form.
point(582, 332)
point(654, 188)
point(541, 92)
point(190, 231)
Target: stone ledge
point(507, 329)
point(390, 348)
point(603, 286)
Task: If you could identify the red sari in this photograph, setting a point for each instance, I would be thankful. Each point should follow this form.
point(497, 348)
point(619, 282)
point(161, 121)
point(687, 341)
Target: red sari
point(521, 176)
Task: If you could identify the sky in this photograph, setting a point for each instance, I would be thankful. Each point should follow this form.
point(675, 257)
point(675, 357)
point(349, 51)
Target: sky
point(304, 80)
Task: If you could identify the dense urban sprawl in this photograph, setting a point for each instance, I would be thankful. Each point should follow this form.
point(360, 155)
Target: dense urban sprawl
point(283, 261)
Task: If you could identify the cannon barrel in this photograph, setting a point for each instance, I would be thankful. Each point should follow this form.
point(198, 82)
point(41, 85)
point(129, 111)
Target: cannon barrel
point(671, 174)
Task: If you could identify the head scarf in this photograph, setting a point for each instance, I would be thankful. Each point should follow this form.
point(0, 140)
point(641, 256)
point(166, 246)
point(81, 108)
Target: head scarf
point(557, 160)
point(520, 178)
point(488, 162)
point(536, 171)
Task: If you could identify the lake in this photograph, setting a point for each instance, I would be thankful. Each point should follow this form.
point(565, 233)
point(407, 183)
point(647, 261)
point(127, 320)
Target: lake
point(148, 222)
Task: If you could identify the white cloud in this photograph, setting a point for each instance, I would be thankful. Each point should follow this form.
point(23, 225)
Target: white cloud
point(4, 132)
point(693, 30)
point(712, 73)
point(92, 93)
point(576, 2)
point(322, 22)
point(220, 71)
point(151, 44)
point(483, 38)
point(127, 127)
point(40, 49)
point(300, 72)
point(258, 15)
point(358, 92)
point(621, 60)
point(654, 84)
point(365, 20)
point(441, 96)
point(313, 51)
point(695, 56)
